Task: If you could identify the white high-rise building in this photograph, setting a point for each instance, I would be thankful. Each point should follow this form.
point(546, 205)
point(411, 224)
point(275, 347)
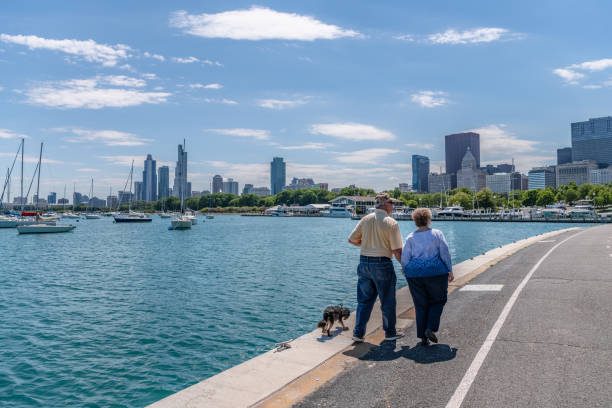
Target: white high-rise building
point(180, 173)
point(499, 183)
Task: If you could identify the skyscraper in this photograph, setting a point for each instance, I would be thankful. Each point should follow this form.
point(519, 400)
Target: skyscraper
point(149, 179)
point(52, 198)
point(420, 173)
point(230, 186)
point(592, 140)
point(163, 183)
point(564, 155)
point(277, 175)
point(180, 173)
point(469, 175)
point(455, 146)
point(138, 190)
point(217, 184)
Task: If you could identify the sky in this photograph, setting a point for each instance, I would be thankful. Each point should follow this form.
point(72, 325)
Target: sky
point(344, 91)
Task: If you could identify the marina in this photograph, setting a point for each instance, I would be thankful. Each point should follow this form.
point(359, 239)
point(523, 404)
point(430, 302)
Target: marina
point(106, 319)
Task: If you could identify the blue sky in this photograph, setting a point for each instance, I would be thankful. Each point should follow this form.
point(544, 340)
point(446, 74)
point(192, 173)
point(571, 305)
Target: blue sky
point(345, 91)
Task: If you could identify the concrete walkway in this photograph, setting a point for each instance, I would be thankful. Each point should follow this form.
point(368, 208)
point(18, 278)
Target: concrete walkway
point(539, 335)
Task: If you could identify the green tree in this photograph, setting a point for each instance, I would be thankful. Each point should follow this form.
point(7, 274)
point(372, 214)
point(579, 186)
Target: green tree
point(485, 198)
point(530, 198)
point(412, 203)
point(546, 197)
point(463, 199)
point(248, 200)
point(571, 196)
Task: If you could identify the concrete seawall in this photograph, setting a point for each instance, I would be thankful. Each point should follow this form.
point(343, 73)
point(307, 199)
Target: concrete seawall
point(283, 378)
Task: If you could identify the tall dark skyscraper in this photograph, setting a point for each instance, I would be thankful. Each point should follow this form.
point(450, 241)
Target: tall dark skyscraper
point(455, 147)
point(564, 155)
point(180, 174)
point(163, 185)
point(592, 140)
point(149, 179)
point(420, 173)
point(278, 175)
point(217, 184)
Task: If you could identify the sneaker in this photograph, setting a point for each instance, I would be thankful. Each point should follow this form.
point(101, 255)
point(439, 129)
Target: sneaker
point(357, 339)
point(392, 338)
point(431, 335)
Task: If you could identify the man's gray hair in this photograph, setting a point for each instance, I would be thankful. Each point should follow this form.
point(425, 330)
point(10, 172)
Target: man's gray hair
point(381, 199)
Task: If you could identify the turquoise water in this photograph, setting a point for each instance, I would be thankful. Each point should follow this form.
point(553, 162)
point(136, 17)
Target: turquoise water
point(117, 315)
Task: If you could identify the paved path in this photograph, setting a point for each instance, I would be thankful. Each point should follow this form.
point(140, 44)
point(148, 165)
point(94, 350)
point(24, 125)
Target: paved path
point(543, 340)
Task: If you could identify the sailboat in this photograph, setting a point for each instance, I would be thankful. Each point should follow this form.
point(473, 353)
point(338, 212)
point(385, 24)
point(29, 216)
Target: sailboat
point(131, 216)
point(91, 215)
point(40, 227)
point(181, 220)
point(71, 214)
point(209, 215)
point(164, 213)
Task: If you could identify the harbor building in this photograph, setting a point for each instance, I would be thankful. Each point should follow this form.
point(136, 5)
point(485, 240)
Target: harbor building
point(261, 191)
point(420, 173)
point(470, 176)
point(564, 155)
point(52, 198)
point(230, 186)
point(217, 184)
point(360, 203)
point(592, 140)
point(163, 182)
point(439, 183)
point(499, 182)
point(541, 177)
point(278, 175)
point(180, 173)
point(601, 176)
point(138, 190)
point(578, 172)
point(247, 189)
point(455, 146)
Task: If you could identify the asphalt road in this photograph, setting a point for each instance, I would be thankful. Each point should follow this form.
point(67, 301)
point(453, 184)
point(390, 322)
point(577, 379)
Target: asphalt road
point(553, 349)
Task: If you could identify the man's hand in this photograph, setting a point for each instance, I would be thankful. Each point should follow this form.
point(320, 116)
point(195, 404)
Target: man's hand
point(356, 243)
point(451, 277)
point(398, 254)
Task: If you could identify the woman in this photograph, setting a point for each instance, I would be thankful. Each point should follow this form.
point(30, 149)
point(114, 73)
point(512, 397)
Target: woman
point(427, 265)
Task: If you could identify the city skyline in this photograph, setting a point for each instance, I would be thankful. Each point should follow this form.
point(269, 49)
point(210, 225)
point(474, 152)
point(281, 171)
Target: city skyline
point(371, 92)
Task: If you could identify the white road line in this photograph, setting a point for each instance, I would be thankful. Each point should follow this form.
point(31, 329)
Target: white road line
point(470, 375)
point(548, 240)
point(481, 288)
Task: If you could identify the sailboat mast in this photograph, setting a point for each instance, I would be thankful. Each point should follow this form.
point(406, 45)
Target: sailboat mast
point(38, 181)
point(22, 148)
point(131, 174)
point(64, 203)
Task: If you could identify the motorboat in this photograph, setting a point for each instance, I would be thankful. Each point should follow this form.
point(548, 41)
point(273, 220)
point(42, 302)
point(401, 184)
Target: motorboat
point(44, 228)
point(582, 211)
point(454, 211)
point(70, 215)
point(553, 213)
point(181, 222)
point(93, 216)
point(337, 212)
point(165, 215)
point(193, 218)
point(132, 217)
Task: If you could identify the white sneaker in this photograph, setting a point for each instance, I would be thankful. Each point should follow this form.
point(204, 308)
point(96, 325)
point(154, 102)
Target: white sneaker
point(392, 338)
point(357, 339)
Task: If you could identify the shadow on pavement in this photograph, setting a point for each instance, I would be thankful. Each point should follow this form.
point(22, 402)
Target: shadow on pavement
point(419, 354)
point(334, 333)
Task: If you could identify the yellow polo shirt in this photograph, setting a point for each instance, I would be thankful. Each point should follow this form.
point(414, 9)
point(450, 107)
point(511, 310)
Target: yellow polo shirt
point(379, 234)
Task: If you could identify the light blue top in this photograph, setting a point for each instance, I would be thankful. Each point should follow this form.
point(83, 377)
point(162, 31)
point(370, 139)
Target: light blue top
point(426, 245)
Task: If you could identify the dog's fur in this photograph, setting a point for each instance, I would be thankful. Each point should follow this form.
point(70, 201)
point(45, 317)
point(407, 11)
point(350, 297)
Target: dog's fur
point(332, 314)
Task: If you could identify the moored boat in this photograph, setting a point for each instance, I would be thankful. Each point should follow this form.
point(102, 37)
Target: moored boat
point(44, 228)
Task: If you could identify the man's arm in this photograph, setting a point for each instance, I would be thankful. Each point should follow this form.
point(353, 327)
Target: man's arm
point(356, 243)
point(397, 253)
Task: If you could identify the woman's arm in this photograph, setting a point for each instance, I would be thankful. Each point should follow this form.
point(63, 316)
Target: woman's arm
point(406, 253)
point(444, 252)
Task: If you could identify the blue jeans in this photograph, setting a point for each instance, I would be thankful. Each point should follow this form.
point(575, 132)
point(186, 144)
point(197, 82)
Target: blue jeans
point(429, 296)
point(376, 278)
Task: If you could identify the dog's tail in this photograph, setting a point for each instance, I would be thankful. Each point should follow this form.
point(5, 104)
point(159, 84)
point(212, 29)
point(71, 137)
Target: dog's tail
point(321, 324)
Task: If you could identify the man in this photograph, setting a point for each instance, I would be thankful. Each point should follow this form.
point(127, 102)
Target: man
point(379, 237)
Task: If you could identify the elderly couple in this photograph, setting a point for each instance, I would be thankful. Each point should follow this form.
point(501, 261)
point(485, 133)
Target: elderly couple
point(426, 263)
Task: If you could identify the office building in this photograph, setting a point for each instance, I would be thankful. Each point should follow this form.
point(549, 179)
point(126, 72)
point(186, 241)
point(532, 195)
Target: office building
point(188, 189)
point(20, 200)
point(499, 168)
point(217, 184)
point(601, 176)
point(564, 155)
point(52, 198)
point(300, 183)
point(196, 194)
point(125, 197)
point(541, 177)
point(455, 146)
point(138, 190)
point(420, 173)
point(592, 140)
point(322, 186)
point(180, 173)
point(96, 202)
point(577, 172)
point(261, 191)
point(76, 198)
point(63, 201)
point(149, 179)
point(405, 187)
point(519, 181)
point(277, 175)
point(163, 182)
point(112, 201)
point(247, 189)
point(439, 183)
point(470, 176)
point(499, 182)
point(230, 186)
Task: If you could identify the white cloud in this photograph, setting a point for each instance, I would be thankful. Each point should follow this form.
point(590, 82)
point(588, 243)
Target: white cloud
point(1, 88)
point(34, 159)
point(279, 104)
point(213, 86)
point(196, 86)
point(495, 141)
point(596, 65)
point(607, 83)
point(430, 99)
point(258, 134)
point(88, 170)
point(93, 93)
point(473, 36)
point(307, 146)
point(122, 80)
point(9, 134)
point(149, 76)
point(209, 62)
point(405, 37)
point(188, 60)
point(107, 137)
point(224, 101)
point(155, 56)
point(426, 146)
point(571, 77)
point(89, 50)
point(125, 161)
point(258, 23)
point(366, 156)
point(351, 131)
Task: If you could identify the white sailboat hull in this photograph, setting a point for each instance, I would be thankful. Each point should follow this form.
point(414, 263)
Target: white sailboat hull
point(181, 223)
point(44, 228)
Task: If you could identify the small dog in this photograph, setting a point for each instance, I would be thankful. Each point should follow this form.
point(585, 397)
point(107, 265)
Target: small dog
point(332, 314)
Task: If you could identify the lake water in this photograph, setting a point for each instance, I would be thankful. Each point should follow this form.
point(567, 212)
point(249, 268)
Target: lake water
point(117, 315)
